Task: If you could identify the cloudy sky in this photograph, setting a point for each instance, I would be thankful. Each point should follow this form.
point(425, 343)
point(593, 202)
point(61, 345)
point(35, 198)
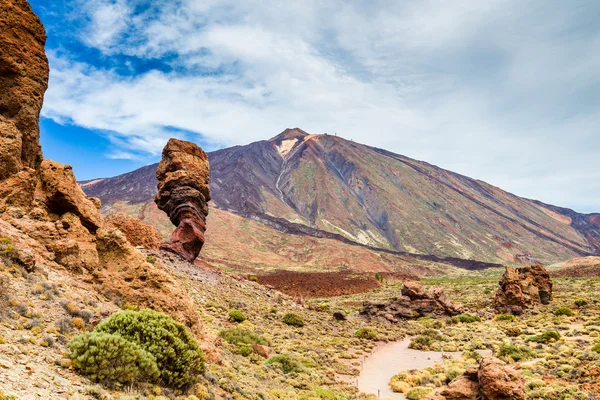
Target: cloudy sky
point(507, 91)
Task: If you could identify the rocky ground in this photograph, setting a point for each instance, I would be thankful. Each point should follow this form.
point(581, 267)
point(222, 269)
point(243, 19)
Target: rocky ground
point(555, 347)
point(43, 309)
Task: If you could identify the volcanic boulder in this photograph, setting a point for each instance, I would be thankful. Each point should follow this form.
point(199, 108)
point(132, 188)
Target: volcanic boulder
point(183, 193)
point(415, 302)
point(522, 288)
point(493, 380)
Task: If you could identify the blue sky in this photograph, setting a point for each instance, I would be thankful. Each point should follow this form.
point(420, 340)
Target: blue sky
point(507, 91)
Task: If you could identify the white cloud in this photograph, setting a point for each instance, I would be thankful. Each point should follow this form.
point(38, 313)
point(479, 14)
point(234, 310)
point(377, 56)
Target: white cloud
point(499, 90)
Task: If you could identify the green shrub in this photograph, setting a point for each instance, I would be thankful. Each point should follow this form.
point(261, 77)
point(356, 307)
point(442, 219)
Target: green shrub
point(560, 311)
point(286, 363)
point(176, 351)
point(453, 374)
point(509, 351)
point(103, 357)
point(596, 348)
point(293, 320)
point(417, 393)
point(506, 317)
point(468, 318)
point(544, 337)
point(241, 336)
point(366, 332)
point(581, 303)
point(236, 316)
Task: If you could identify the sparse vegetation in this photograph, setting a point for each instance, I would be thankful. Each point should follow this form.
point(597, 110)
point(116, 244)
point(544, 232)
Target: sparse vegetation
point(468, 318)
point(293, 320)
point(236, 316)
point(513, 352)
point(286, 363)
point(506, 317)
point(566, 311)
point(545, 337)
point(366, 332)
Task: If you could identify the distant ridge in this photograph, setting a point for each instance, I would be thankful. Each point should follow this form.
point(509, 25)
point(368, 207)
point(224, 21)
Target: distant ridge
point(329, 186)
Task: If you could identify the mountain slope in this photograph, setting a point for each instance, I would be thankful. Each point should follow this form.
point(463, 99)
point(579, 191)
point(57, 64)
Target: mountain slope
point(376, 198)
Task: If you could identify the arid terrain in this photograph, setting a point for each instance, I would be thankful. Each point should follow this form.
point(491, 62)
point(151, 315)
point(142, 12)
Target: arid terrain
point(313, 268)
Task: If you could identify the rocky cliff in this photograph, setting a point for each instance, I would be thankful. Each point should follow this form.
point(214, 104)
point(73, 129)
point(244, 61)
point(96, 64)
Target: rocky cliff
point(42, 208)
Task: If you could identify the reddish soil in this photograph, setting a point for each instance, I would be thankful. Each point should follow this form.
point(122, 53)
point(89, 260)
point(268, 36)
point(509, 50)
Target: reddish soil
point(319, 284)
point(578, 271)
point(595, 219)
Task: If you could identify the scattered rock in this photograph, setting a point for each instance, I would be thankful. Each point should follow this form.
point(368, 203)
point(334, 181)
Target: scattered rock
point(137, 232)
point(493, 380)
point(523, 288)
point(415, 302)
point(339, 315)
point(263, 351)
point(183, 193)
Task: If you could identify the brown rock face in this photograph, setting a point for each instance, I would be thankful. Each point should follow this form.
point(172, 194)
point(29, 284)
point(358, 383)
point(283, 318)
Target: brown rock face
point(59, 192)
point(415, 302)
point(183, 193)
point(522, 288)
point(498, 381)
point(42, 208)
point(136, 232)
point(493, 380)
point(23, 81)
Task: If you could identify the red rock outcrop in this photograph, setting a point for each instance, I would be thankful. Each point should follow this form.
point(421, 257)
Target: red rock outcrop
point(23, 81)
point(183, 193)
point(493, 380)
point(43, 211)
point(136, 232)
point(522, 288)
point(415, 302)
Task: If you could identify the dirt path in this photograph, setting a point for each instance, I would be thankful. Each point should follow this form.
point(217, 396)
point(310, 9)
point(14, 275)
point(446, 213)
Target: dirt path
point(389, 359)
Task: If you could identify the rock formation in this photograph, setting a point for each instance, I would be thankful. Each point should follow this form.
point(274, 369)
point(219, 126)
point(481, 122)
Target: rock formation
point(493, 380)
point(183, 193)
point(136, 232)
point(23, 81)
point(43, 210)
point(522, 288)
point(415, 302)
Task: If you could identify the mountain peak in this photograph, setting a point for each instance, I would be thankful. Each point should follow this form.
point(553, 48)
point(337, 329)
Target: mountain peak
point(288, 134)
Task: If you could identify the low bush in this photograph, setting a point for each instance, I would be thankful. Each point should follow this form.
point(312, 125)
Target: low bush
point(366, 332)
point(241, 336)
point(506, 317)
point(581, 303)
point(544, 337)
point(417, 393)
point(560, 311)
point(509, 351)
point(286, 363)
point(468, 318)
point(596, 348)
point(236, 316)
point(107, 358)
point(176, 351)
point(293, 320)
point(5, 289)
point(242, 339)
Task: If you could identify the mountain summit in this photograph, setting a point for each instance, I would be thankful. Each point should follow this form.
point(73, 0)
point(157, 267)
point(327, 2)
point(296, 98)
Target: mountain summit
point(324, 185)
